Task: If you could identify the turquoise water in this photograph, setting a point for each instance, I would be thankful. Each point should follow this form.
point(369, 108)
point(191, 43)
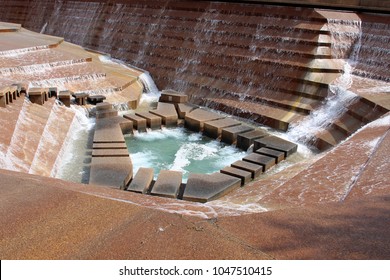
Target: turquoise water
point(181, 150)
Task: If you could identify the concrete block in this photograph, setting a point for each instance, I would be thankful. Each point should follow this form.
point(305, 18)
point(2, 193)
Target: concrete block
point(3, 101)
point(108, 130)
point(173, 97)
point(167, 112)
point(263, 160)
point(255, 169)
point(213, 129)
point(207, 187)
point(152, 121)
point(142, 180)
point(52, 92)
point(139, 123)
point(196, 119)
point(103, 106)
point(185, 108)
point(244, 176)
point(95, 99)
point(81, 98)
point(278, 155)
point(276, 143)
point(245, 140)
point(36, 96)
point(64, 97)
point(229, 134)
point(115, 172)
point(167, 184)
point(9, 96)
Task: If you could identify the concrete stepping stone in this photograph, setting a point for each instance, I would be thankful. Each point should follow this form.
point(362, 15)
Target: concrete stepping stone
point(229, 134)
point(139, 123)
point(152, 121)
point(245, 140)
point(94, 99)
point(184, 108)
point(109, 146)
point(266, 161)
point(36, 95)
point(167, 112)
point(207, 187)
point(64, 97)
point(196, 119)
point(173, 97)
point(276, 143)
point(213, 129)
point(110, 153)
point(142, 180)
point(103, 106)
point(278, 155)
point(115, 172)
point(255, 169)
point(81, 98)
point(167, 184)
point(245, 176)
point(108, 130)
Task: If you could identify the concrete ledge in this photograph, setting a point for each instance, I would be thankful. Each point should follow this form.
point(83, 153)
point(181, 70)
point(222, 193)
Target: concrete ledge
point(276, 143)
point(184, 108)
point(142, 180)
point(139, 123)
point(106, 113)
point(36, 95)
point(110, 153)
point(167, 112)
point(152, 121)
point(213, 129)
point(255, 169)
point(245, 176)
point(196, 119)
point(245, 140)
point(81, 98)
point(229, 134)
point(64, 97)
point(115, 172)
point(108, 130)
point(94, 99)
point(173, 97)
point(97, 146)
point(207, 187)
point(103, 106)
point(167, 184)
point(263, 160)
point(277, 155)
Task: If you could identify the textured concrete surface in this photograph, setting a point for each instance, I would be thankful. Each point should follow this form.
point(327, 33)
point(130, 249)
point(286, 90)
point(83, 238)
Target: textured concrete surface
point(142, 180)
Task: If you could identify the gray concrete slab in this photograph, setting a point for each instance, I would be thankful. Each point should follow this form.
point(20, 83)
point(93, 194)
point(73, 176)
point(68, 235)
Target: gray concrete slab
point(207, 187)
point(276, 143)
point(173, 97)
point(115, 172)
point(139, 123)
point(278, 155)
point(142, 180)
point(167, 184)
point(167, 112)
point(196, 119)
point(213, 129)
point(245, 140)
point(266, 161)
point(152, 121)
point(108, 130)
point(229, 134)
point(255, 169)
point(184, 108)
point(244, 176)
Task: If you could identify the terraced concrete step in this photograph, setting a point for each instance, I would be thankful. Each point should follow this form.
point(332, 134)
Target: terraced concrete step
point(214, 129)
point(277, 155)
point(255, 169)
point(138, 122)
point(246, 139)
point(167, 184)
point(207, 187)
point(142, 181)
point(276, 143)
point(167, 112)
point(153, 121)
point(110, 152)
point(245, 176)
point(184, 108)
point(229, 134)
point(195, 119)
point(266, 161)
